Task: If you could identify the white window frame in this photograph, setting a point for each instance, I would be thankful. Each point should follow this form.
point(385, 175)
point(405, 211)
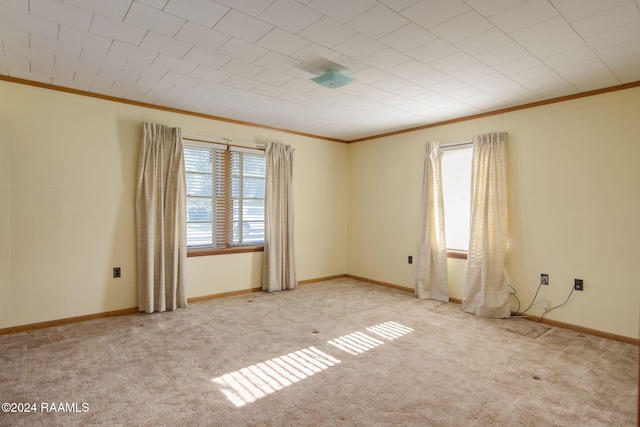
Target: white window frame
point(455, 221)
point(222, 201)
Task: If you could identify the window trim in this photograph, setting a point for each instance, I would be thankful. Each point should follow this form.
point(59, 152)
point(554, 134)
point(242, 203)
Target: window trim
point(210, 251)
point(457, 254)
point(194, 252)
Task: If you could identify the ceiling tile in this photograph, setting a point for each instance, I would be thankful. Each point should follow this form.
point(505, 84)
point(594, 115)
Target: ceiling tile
point(484, 101)
point(570, 57)
point(429, 13)
point(17, 37)
point(64, 13)
point(485, 41)
point(625, 69)
point(201, 36)
point(174, 64)
point(133, 53)
point(432, 51)
point(144, 71)
point(377, 22)
point(205, 57)
point(408, 37)
point(533, 74)
point(45, 44)
point(203, 12)
point(272, 78)
point(76, 65)
point(211, 75)
point(370, 75)
point(290, 15)
point(158, 4)
point(472, 71)
point(521, 63)
point(12, 19)
point(241, 68)
point(574, 10)
point(386, 58)
point(251, 7)
point(116, 9)
point(617, 51)
point(430, 78)
point(149, 18)
point(550, 87)
point(523, 15)
point(359, 46)
point(462, 27)
point(410, 69)
point(117, 30)
point(620, 16)
point(16, 5)
point(391, 83)
point(164, 44)
point(399, 5)
point(612, 38)
point(340, 10)
point(84, 39)
point(326, 32)
point(242, 26)
point(502, 54)
point(277, 62)
point(282, 41)
point(316, 55)
point(554, 46)
point(543, 31)
point(588, 75)
point(103, 60)
point(491, 7)
point(453, 62)
point(242, 50)
point(240, 82)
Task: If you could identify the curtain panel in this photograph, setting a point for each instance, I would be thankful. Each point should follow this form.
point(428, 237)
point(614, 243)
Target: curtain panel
point(486, 293)
point(431, 272)
point(161, 220)
point(279, 272)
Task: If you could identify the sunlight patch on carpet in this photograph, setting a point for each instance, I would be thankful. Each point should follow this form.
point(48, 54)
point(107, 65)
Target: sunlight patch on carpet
point(355, 343)
point(257, 381)
point(254, 382)
point(390, 330)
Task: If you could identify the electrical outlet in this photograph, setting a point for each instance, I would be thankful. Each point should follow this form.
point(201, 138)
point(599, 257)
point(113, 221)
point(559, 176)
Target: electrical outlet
point(410, 259)
point(117, 272)
point(545, 304)
point(578, 285)
point(544, 279)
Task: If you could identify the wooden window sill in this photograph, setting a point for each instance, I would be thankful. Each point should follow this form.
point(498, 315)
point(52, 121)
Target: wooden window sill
point(224, 251)
point(457, 254)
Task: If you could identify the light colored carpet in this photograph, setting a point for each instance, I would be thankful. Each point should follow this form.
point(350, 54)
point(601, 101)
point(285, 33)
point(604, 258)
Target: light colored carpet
point(335, 353)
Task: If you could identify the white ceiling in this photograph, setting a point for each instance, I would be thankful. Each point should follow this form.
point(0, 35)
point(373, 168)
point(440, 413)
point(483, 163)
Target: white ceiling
point(415, 62)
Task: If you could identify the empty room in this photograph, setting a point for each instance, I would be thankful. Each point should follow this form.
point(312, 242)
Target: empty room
point(319, 212)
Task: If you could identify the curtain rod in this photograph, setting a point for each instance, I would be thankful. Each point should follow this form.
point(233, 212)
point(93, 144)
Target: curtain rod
point(225, 141)
point(453, 144)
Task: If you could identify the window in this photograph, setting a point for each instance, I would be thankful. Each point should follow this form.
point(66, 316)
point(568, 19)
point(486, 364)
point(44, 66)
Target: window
point(456, 189)
point(225, 195)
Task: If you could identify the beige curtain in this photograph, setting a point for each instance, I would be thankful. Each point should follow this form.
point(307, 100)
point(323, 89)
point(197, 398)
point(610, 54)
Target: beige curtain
point(279, 272)
point(161, 220)
point(431, 271)
point(486, 292)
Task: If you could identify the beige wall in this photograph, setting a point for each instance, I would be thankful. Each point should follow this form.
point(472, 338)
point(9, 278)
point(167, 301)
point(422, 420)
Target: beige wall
point(573, 198)
point(67, 189)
